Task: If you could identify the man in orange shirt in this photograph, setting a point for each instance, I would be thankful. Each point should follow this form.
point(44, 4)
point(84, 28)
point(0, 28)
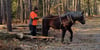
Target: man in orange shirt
point(33, 21)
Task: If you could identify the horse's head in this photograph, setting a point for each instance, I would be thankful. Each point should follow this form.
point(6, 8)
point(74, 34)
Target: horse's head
point(77, 16)
point(80, 18)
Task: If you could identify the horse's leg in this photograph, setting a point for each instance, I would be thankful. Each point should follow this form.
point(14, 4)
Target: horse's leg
point(71, 32)
point(63, 34)
point(45, 30)
point(45, 27)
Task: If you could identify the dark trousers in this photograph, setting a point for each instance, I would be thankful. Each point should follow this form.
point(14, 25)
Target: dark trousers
point(33, 30)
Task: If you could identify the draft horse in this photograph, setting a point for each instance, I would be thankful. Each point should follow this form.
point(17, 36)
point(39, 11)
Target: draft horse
point(63, 22)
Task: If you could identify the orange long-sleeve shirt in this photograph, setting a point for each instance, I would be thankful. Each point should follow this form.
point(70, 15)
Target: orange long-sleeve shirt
point(32, 15)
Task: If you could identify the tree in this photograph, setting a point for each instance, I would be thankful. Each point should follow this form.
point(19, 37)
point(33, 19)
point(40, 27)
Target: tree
point(30, 5)
point(74, 4)
point(78, 7)
point(46, 7)
point(88, 7)
point(25, 11)
point(8, 12)
point(43, 8)
point(21, 11)
point(95, 7)
point(0, 12)
point(58, 8)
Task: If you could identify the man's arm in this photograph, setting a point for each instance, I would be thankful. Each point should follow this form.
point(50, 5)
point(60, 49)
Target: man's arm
point(33, 16)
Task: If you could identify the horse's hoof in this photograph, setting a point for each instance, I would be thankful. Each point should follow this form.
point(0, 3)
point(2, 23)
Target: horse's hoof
point(69, 43)
point(62, 42)
point(45, 34)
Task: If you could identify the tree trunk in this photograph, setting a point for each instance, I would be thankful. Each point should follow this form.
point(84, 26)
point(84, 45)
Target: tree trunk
point(73, 4)
point(4, 15)
point(9, 18)
point(88, 7)
point(18, 10)
point(21, 11)
point(0, 12)
point(62, 6)
point(95, 7)
point(3, 19)
point(43, 8)
point(37, 4)
point(30, 5)
point(65, 6)
point(25, 10)
point(58, 7)
point(46, 7)
point(78, 5)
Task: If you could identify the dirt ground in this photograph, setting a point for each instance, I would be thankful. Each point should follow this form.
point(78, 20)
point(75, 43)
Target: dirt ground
point(86, 37)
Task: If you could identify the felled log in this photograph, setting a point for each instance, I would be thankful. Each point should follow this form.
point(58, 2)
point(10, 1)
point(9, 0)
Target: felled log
point(21, 35)
point(3, 26)
point(39, 37)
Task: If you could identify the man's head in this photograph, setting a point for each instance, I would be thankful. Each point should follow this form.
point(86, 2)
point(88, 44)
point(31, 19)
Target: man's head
point(35, 9)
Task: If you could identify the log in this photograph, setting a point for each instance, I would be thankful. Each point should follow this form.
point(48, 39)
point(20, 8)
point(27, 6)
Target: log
point(39, 37)
point(26, 33)
point(3, 26)
point(21, 35)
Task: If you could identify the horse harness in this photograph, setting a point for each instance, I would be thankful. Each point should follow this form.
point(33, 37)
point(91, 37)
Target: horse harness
point(69, 19)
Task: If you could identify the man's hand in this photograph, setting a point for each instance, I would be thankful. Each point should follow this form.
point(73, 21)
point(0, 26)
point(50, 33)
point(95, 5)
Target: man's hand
point(36, 18)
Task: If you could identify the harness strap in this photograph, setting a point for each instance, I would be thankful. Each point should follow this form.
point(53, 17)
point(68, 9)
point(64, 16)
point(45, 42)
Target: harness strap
point(70, 18)
point(60, 21)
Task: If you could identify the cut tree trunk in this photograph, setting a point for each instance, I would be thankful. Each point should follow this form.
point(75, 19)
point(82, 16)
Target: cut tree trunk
point(21, 36)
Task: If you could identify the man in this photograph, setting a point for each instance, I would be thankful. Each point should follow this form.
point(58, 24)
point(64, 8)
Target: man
point(33, 21)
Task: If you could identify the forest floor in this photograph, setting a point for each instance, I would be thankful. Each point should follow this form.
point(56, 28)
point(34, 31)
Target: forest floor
point(86, 37)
